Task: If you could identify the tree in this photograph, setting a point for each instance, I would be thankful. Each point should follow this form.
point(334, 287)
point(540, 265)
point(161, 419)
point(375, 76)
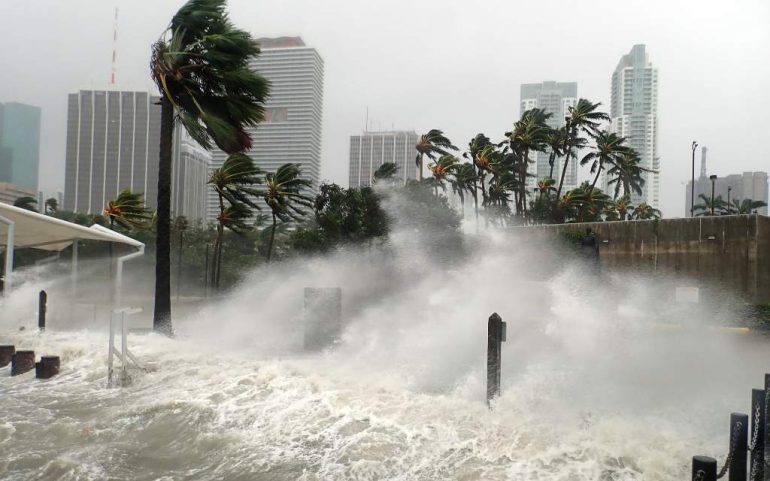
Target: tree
point(51, 205)
point(609, 149)
point(234, 184)
point(644, 211)
point(442, 168)
point(582, 118)
point(557, 141)
point(619, 209)
point(530, 133)
point(464, 180)
point(432, 144)
point(627, 173)
point(475, 147)
point(201, 67)
point(385, 172)
point(283, 194)
point(128, 211)
point(745, 206)
point(26, 202)
point(707, 205)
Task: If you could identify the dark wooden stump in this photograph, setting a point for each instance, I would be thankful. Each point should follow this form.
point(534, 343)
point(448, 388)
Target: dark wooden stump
point(47, 368)
point(495, 336)
point(6, 354)
point(704, 468)
point(22, 362)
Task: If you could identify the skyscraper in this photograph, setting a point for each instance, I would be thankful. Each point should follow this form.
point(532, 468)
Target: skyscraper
point(634, 112)
point(554, 98)
point(113, 144)
point(19, 144)
point(291, 132)
point(370, 150)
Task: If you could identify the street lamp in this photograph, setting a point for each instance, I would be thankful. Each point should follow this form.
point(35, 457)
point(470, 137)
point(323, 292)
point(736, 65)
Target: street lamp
point(713, 180)
point(692, 182)
point(729, 188)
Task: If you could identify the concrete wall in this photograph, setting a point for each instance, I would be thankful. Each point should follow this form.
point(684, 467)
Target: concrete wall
point(732, 252)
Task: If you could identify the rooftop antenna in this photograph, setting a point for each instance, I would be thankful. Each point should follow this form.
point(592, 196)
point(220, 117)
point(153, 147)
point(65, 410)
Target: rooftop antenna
point(114, 46)
point(703, 151)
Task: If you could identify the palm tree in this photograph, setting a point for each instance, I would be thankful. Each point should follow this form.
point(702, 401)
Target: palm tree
point(620, 207)
point(283, 194)
point(609, 149)
point(201, 67)
point(233, 183)
point(475, 147)
point(644, 211)
point(745, 206)
point(432, 144)
point(386, 171)
point(557, 141)
point(530, 133)
point(51, 205)
point(464, 180)
point(445, 166)
point(545, 186)
point(582, 118)
point(627, 173)
point(717, 205)
point(128, 210)
point(26, 202)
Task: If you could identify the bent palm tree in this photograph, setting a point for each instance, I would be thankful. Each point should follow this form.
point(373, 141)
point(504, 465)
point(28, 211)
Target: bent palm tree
point(26, 203)
point(644, 211)
point(745, 206)
point(432, 144)
point(201, 67)
point(530, 133)
point(128, 210)
point(609, 148)
point(445, 165)
point(717, 205)
point(233, 182)
point(582, 118)
point(464, 180)
point(627, 173)
point(283, 194)
point(385, 172)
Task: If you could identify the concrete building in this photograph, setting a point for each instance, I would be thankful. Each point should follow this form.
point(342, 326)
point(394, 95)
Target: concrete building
point(370, 150)
point(634, 112)
point(113, 142)
point(10, 192)
point(748, 185)
point(19, 144)
point(554, 98)
point(291, 131)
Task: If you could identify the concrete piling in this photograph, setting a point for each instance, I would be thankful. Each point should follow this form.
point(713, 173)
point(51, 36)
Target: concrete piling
point(6, 354)
point(704, 468)
point(47, 368)
point(41, 309)
point(22, 362)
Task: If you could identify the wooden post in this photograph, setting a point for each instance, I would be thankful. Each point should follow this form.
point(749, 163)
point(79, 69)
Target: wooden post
point(739, 432)
point(756, 472)
point(6, 354)
point(41, 310)
point(47, 368)
point(22, 362)
point(495, 336)
point(704, 468)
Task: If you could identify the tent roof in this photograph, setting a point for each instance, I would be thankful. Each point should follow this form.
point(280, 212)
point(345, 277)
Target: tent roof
point(39, 231)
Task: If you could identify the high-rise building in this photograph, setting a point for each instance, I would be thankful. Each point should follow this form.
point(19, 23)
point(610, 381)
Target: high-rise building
point(370, 150)
point(291, 131)
point(634, 113)
point(19, 144)
point(113, 144)
point(554, 98)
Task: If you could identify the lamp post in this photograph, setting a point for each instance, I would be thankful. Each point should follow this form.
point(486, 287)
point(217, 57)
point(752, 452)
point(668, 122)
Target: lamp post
point(692, 181)
point(713, 180)
point(729, 188)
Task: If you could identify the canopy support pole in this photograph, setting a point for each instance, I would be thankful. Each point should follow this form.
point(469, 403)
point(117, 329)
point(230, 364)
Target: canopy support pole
point(119, 275)
point(7, 281)
point(74, 270)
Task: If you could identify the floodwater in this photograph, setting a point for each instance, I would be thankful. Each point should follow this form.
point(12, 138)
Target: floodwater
point(598, 383)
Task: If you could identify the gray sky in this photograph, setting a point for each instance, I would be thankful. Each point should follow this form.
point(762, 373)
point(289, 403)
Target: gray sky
point(451, 64)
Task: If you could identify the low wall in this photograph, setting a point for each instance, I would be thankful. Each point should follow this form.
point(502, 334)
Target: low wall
point(732, 251)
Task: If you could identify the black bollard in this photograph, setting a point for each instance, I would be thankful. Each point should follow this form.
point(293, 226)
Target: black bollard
point(756, 470)
point(47, 368)
point(766, 433)
point(739, 432)
point(41, 310)
point(22, 362)
point(704, 468)
point(495, 336)
point(6, 354)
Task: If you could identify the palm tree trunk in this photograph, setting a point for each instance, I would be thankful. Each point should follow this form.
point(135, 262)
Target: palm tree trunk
point(272, 236)
point(563, 172)
point(551, 162)
point(476, 203)
point(112, 280)
point(596, 179)
point(217, 257)
point(162, 312)
point(524, 181)
point(420, 167)
point(626, 188)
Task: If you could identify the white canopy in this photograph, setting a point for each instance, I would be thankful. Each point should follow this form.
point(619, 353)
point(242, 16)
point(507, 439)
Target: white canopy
point(47, 233)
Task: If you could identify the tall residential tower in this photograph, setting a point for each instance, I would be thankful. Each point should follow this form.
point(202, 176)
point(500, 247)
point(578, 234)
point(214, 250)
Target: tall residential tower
point(291, 132)
point(370, 150)
point(634, 112)
point(554, 98)
point(19, 145)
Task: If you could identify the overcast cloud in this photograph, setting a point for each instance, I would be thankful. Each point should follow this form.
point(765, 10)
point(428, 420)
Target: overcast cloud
point(449, 64)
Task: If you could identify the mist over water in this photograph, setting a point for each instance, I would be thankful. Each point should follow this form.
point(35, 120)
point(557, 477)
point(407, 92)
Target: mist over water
point(596, 384)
